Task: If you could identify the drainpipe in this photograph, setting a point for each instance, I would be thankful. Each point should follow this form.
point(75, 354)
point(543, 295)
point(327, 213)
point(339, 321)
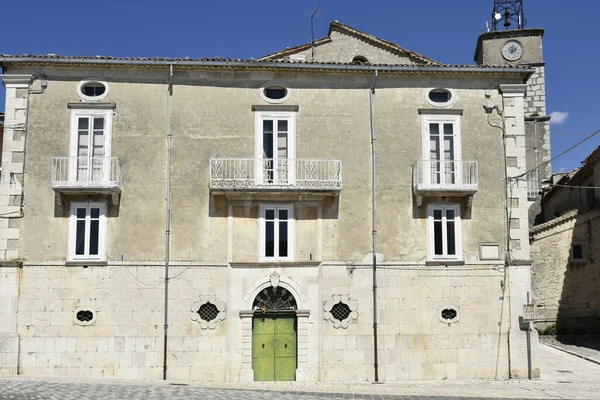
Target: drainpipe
point(168, 223)
point(373, 193)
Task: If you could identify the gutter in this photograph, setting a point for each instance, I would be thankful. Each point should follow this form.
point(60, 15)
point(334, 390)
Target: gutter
point(254, 64)
point(374, 217)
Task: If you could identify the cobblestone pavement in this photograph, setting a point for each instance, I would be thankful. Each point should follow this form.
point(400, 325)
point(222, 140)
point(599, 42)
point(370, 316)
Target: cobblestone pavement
point(564, 377)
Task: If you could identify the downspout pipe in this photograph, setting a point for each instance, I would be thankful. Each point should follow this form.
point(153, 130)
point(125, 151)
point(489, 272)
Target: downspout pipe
point(168, 222)
point(374, 217)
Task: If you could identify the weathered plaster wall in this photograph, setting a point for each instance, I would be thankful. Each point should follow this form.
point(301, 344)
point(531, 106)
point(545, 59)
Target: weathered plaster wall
point(327, 121)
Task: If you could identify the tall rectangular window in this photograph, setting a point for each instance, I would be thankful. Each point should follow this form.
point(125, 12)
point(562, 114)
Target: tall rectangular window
point(441, 148)
point(275, 137)
point(87, 231)
point(90, 145)
point(276, 224)
point(443, 226)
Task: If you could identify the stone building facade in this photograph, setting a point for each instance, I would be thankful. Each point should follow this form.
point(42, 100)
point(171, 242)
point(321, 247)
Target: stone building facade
point(491, 50)
point(565, 252)
point(270, 235)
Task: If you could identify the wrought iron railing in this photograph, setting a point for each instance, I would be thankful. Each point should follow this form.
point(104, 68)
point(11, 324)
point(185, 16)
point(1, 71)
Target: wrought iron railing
point(445, 175)
point(268, 173)
point(86, 172)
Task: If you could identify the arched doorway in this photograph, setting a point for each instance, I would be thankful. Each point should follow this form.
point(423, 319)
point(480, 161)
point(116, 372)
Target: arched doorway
point(274, 335)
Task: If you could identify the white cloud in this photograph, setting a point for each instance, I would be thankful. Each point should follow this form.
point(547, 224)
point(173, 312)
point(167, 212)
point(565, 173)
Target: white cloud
point(559, 117)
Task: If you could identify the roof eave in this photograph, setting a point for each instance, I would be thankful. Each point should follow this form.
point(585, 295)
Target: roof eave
point(7, 61)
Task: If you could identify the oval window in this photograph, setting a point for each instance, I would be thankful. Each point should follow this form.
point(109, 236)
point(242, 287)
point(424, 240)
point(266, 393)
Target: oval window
point(440, 96)
point(275, 92)
point(449, 314)
point(93, 89)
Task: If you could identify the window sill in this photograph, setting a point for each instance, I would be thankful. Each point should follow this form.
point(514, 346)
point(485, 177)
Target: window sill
point(578, 263)
point(85, 263)
point(262, 264)
point(445, 262)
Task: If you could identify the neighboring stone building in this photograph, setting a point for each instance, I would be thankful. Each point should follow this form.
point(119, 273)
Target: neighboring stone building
point(270, 246)
point(566, 252)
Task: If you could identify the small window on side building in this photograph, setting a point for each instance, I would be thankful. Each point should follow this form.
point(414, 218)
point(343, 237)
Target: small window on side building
point(578, 253)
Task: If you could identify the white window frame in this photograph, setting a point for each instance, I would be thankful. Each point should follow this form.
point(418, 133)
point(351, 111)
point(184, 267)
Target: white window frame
point(262, 231)
point(87, 81)
point(277, 84)
point(457, 155)
point(75, 115)
point(431, 256)
point(444, 104)
point(102, 231)
point(259, 117)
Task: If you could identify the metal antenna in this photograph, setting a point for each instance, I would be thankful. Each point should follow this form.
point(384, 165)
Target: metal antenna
point(312, 33)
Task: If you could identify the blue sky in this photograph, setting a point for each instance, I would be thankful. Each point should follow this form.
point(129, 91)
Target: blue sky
point(443, 30)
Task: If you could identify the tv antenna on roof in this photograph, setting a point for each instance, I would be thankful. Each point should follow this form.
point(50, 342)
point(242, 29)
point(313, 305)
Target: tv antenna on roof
point(312, 33)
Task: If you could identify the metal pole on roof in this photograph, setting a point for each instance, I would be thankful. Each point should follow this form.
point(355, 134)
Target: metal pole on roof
point(312, 33)
point(168, 222)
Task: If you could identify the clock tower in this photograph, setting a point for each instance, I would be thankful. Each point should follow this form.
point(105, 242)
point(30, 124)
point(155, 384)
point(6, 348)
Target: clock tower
point(509, 42)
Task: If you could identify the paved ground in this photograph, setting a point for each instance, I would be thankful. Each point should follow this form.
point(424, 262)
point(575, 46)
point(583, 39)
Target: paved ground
point(564, 377)
point(582, 345)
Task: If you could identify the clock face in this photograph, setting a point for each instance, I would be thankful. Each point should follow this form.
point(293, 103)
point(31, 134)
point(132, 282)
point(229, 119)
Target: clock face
point(512, 50)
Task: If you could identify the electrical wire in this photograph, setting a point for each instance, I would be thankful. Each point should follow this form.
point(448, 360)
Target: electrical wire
point(128, 267)
point(575, 186)
point(555, 157)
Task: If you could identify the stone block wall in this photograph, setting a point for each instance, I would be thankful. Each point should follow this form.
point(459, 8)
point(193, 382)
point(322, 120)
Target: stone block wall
point(564, 289)
point(413, 343)
point(535, 100)
point(126, 340)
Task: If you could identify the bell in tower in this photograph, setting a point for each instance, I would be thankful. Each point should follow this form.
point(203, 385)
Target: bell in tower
point(509, 13)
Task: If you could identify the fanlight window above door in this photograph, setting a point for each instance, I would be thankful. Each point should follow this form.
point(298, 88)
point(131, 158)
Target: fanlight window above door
point(274, 299)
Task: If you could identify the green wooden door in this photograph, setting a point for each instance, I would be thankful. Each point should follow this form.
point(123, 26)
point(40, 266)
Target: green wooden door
point(274, 348)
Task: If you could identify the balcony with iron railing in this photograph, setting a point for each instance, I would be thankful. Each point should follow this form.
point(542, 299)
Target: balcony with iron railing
point(263, 175)
point(87, 175)
point(444, 178)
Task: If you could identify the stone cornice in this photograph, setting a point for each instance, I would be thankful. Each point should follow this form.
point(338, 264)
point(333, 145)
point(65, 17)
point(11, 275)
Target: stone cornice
point(17, 80)
point(92, 106)
point(513, 89)
point(440, 111)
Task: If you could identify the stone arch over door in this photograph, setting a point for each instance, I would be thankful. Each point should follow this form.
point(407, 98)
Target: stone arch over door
point(247, 313)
